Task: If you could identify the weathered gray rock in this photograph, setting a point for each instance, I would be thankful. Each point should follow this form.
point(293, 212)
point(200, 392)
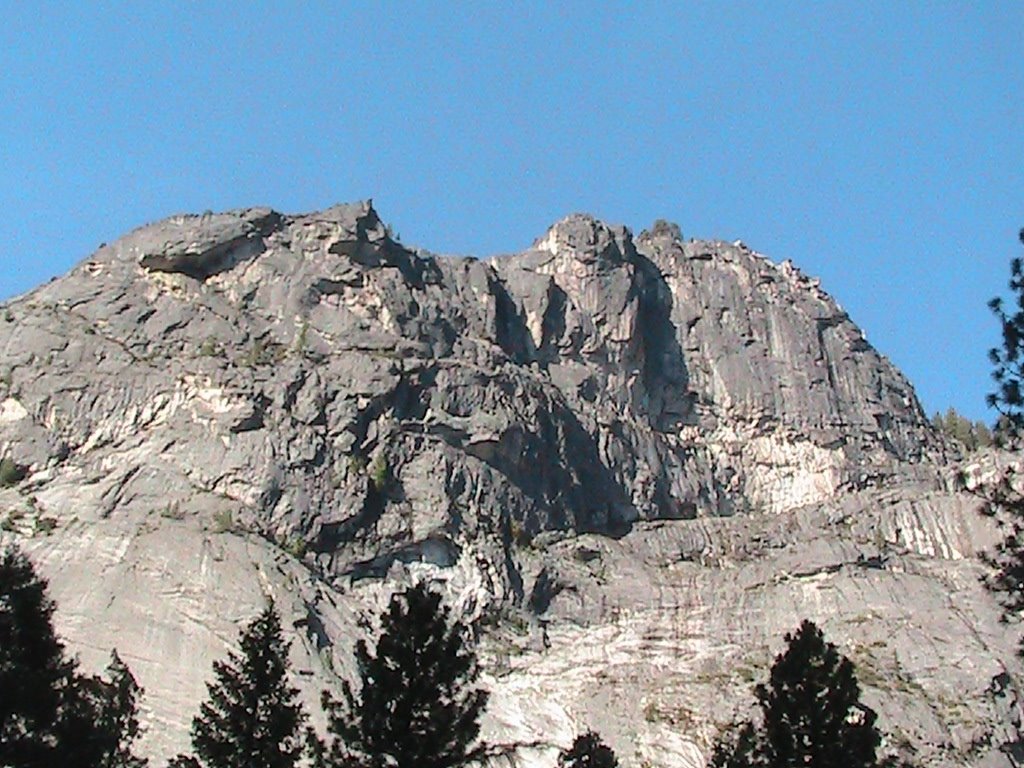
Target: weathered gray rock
point(650, 457)
point(201, 246)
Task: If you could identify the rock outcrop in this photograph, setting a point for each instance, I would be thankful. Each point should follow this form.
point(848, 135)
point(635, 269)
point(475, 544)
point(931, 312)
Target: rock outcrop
point(637, 461)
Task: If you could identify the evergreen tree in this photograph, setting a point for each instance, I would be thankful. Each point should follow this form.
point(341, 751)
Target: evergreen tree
point(983, 436)
point(119, 721)
point(98, 721)
point(588, 751)
point(971, 434)
point(316, 750)
point(1004, 501)
point(50, 714)
point(417, 706)
point(811, 707)
point(1008, 398)
point(811, 714)
point(252, 718)
point(183, 761)
point(742, 750)
point(35, 676)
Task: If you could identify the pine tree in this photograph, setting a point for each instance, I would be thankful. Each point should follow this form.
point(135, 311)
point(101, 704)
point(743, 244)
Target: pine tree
point(811, 707)
point(252, 718)
point(1008, 373)
point(35, 676)
point(119, 721)
point(417, 706)
point(971, 434)
point(50, 714)
point(98, 722)
point(811, 714)
point(316, 751)
point(588, 751)
point(742, 750)
point(183, 761)
point(1004, 500)
point(982, 434)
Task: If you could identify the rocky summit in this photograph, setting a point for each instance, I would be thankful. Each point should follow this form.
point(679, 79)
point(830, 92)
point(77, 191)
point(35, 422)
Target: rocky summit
point(635, 462)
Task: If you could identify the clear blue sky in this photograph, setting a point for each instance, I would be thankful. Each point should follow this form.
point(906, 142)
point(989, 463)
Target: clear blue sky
point(877, 145)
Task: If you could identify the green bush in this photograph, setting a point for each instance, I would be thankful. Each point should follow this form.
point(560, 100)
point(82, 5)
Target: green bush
point(46, 525)
point(520, 534)
point(210, 348)
point(379, 472)
point(295, 546)
point(223, 522)
point(10, 472)
point(263, 352)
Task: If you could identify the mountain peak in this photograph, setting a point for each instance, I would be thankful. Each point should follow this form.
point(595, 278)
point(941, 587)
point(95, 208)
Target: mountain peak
point(586, 238)
point(660, 454)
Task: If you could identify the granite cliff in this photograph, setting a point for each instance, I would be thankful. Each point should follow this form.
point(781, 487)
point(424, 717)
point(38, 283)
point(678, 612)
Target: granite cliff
point(636, 461)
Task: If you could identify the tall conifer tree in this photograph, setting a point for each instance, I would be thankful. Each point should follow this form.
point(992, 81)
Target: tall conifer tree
point(253, 717)
point(1008, 361)
point(119, 721)
point(1005, 501)
point(35, 676)
point(50, 714)
point(811, 706)
point(418, 706)
point(811, 714)
point(739, 750)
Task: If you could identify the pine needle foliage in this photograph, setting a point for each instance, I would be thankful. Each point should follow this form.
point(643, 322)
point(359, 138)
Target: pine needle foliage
point(811, 714)
point(588, 751)
point(35, 677)
point(50, 714)
point(1008, 362)
point(738, 750)
point(418, 706)
point(119, 720)
point(972, 435)
point(252, 717)
point(811, 707)
point(1003, 499)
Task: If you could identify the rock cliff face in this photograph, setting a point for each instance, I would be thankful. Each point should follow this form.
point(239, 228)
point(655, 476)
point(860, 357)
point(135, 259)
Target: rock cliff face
point(637, 461)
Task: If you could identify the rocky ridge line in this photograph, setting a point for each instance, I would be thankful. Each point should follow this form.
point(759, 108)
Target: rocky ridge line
point(659, 454)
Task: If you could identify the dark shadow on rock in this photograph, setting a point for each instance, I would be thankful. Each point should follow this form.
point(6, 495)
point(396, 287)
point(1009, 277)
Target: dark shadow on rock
point(557, 465)
point(334, 534)
point(553, 324)
point(513, 336)
point(200, 246)
point(545, 588)
point(665, 374)
point(441, 552)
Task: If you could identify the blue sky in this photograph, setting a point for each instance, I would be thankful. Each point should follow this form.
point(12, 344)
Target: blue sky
point(877, 145)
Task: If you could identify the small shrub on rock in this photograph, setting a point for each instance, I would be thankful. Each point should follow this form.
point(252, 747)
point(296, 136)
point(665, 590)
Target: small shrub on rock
point(10, 472)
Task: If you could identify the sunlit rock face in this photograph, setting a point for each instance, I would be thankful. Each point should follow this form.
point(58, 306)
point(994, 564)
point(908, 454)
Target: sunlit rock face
point(636, 461)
